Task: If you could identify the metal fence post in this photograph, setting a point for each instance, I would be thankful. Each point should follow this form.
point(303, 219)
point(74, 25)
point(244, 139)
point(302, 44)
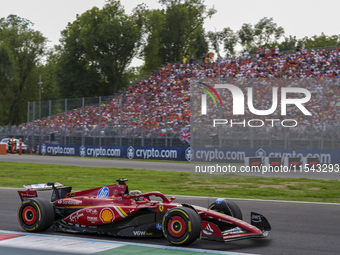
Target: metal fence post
point(100, 121)
point(82, 130)
point(28, 120)
point(192, 133)
point(323, 112)
point(49, 121)
point(65, 122)
point(28, 112)
point(32, 144)
point(120, 121)
point(166, 118)
point(143, 134)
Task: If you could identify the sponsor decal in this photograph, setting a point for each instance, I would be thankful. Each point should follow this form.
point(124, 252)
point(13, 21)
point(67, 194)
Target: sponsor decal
point(82, 151)
point(208, 230)
point(225, 221)
point(106, 215)
point(219, 200)
point(75, 216)
point(28, 194)
point(43, 149)
point(261, 154)
point(68, 195)
point(189, 154)
point(159, 226)
point(92, 211)
point(115, 192)
point(233, 231)
point(256, 218)
point(130, 152)
point(68, 202)
point(92, 219)
point(63, 150)
point(161, 208)
point(139, 233)
point(103, 192)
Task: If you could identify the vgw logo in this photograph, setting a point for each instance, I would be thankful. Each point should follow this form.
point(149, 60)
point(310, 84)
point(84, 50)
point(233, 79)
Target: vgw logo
point(238, 103)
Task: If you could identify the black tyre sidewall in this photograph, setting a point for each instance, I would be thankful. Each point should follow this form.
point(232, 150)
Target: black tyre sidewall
point(44, 214)
point(192, 221)
point(227, 207)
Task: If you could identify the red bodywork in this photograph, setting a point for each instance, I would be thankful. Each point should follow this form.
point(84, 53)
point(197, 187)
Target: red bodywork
point(106, 205)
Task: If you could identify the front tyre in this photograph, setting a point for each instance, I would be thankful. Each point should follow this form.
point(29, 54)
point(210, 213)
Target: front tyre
point(227, 207)
point(181, 225)
point(35, 214)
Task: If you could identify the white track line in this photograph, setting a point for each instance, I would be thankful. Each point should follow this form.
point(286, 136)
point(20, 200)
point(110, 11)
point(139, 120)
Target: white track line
point(83, 245)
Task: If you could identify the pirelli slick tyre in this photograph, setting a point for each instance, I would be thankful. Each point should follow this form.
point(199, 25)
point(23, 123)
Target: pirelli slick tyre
point(227, 207)
point(181, 225)
point(35, 214)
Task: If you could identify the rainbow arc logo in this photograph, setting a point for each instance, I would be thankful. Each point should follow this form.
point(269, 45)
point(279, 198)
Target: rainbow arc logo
point(204, 97)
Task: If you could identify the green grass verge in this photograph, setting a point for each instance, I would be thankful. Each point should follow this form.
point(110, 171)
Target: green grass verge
point(174, 183)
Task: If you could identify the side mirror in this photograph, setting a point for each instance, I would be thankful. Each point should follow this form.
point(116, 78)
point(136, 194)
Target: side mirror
point(172, 199)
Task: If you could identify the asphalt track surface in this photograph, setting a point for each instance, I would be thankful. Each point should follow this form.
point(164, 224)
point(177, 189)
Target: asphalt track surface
point(297, 228)
point(159, 166)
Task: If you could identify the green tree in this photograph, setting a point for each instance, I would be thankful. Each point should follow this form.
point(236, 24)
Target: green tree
point(264, 33)
point(227, 37)
point(174, 32)
point(320, 41)
point(21, 49)
point(246, 36)
point(96, 50)
point(199, 45)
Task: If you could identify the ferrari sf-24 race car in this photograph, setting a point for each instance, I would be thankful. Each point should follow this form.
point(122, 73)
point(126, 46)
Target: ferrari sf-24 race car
point(113, 210)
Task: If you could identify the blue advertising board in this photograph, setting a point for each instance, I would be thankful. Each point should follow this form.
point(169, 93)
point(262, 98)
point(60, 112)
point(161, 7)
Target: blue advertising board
point(130, 152)
point(228, 155)
point(237, 155)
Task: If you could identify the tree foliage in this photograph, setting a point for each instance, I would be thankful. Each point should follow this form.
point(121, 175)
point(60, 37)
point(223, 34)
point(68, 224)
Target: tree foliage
point(96, 49)
point(226, 37)
point(264, 32)
point(174, 32)
point(21, 49)
point(320, 41)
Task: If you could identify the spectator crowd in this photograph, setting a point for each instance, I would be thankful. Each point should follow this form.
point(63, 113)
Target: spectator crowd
point(160, 104)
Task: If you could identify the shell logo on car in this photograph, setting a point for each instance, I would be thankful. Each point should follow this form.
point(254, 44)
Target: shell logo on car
point(107, 215)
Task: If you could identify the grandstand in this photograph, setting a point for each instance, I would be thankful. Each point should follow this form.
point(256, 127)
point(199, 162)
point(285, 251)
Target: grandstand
point(138, 115)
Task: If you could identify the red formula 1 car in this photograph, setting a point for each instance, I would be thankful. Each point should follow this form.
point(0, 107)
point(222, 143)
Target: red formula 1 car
point(113, 210)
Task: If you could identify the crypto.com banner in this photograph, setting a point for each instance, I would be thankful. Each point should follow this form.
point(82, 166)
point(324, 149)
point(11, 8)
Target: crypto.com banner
point(283, 115)
point(130, 152)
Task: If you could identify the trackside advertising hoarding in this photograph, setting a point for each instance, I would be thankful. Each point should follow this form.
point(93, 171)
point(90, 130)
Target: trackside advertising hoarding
point(238, 155)
point(130, 152)
point(202, 154)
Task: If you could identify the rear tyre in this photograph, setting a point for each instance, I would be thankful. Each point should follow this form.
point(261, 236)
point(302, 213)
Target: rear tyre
point(226, 207)
point(35, 214)
point(181, 225)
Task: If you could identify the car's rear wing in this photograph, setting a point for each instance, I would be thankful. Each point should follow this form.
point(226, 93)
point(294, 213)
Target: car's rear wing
point(43, 186)
point(32, 189)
